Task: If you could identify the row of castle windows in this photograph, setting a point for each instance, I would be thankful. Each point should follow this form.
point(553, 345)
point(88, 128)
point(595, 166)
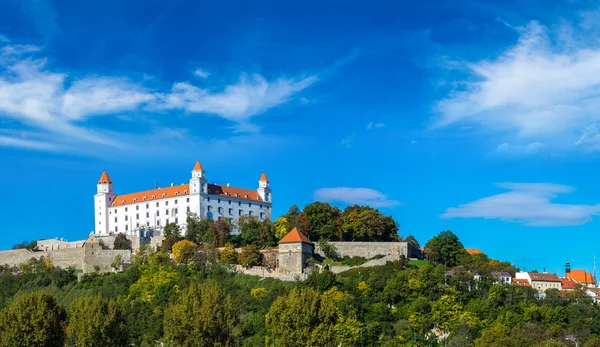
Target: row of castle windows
point(147, 224)
point(240, 212)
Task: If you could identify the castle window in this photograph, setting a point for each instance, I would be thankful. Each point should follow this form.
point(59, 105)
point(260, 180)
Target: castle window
point(137, 216)
point(176, 193)
point(158, 213)
point(241, 212)
point(219, 201)
point(249, 204)
point(208, 199)
point(237, 195)
point(262, 215)
point(147, 205)
point(231, 212)
point(164, 195)
point(246, 196)
point(221, 210)
point(239, 203)
point(209, 208)
point(167, 203)
point(227, 193)
point(126, 227)
point(123, 202)
point(250, 213)
point(156, 204)
point(176, 211)
point(175, 201)
point(229, 202)
point(137, 225)
point(116, 229)
point(147, 223)
point(176, 221)
point(153, 196)
point(158, 222)
point(167, 211)
point(185, 192)
point(125, 209)
point(134, 199)
point(137, 207)
point(126, 219)
point(188, 209)
point(144, 198)
point(167, 221)
point(147, 214)
point(187, 199)
point(115, 219)
point(260, 205)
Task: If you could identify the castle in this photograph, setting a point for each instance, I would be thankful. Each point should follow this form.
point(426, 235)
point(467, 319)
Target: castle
point(155, 208)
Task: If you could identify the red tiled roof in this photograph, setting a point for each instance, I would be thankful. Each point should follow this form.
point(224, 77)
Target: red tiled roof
point(521, 282)
point(104, 178)
point(240, 193)
point(263, 177)
point(153, 194)
point(473, 251)
point(542, 277)
point(568, 283)
point(198, 166)
point(295, 236)
point(581, 276)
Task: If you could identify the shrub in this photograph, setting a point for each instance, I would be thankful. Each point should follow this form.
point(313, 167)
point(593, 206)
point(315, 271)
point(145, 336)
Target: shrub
point(229, 255)
point(250, 256)
point(184, 250)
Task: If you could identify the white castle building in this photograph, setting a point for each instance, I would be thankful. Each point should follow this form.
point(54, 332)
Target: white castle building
point(153, 209)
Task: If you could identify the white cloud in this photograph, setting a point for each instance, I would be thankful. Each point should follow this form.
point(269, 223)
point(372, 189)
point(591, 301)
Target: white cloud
point(529, 204)
point(546, 88)
point(250, 96)
point(6, 141)
point(4, 38)
point(348, 141)
point(507, 149)
point(201, 73)
point(56, 103)
point(375, 125)
point(358, 196)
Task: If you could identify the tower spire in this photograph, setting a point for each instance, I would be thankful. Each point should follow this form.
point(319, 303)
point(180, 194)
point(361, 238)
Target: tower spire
point(594, 272)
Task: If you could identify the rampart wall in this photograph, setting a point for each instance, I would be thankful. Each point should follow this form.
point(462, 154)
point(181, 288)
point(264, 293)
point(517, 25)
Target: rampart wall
point(371, 249)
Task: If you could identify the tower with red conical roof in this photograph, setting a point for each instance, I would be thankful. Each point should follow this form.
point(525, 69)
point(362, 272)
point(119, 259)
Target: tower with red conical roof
point(294, 250)
point(264, 188)
point(102, 200)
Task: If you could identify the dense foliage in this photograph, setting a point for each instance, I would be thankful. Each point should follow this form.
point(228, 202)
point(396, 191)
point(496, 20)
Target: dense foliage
point(196, 300)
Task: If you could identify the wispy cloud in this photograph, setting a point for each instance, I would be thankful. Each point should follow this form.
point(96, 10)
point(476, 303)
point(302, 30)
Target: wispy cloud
point(375, 125)
point(348, 141)
point(52, 102)
point(4, 39)
point(527, 203)
point(358, 196)
point(201, 73)
point(511, 150)
point(546, 88)
point(250, 96)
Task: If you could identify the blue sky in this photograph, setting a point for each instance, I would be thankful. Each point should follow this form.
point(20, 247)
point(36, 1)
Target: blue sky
point(478, 117)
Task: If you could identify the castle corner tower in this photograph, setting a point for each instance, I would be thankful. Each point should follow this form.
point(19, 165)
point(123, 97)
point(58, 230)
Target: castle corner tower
point(102, 200)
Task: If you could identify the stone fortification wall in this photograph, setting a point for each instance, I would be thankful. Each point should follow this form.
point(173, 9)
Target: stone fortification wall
point(55, 244)
point(372, 249)
point(72, 257)
point(103, 259)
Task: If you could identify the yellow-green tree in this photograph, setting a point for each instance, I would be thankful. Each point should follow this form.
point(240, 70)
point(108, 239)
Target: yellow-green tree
point(33, 319)
point(229, 254)
point(184, 250)
point(96, 321)
point(281, 227)
point(202, 316)
point(302, 318)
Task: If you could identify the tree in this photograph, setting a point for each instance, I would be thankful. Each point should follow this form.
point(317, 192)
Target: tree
point(250, 256)
point(363, 223)
point(249, 229)
point(412, 241)
point(172, 230)
point(328, 249)
point(445, 248)
point(121, 242)
point(32, 319)
point(201, 316)
point(30, 245)
point(281, 227)
point(117, 263)
point(220, 231)
point(184, 250)
point(229, 255)
point(325, 221)
point(96, 321)
point(198, 230)
point(302, 318)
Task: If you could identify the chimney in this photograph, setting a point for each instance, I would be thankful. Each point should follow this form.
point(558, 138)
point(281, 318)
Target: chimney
point(228, 184)
point(172, 184)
